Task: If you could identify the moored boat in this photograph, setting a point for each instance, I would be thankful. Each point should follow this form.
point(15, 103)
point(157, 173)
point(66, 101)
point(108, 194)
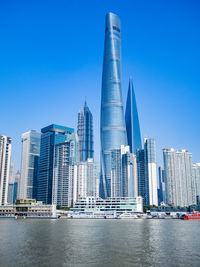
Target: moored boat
point(192, 216)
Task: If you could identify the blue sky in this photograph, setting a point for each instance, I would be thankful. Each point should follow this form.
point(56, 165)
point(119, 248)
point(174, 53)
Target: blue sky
point(51, 55)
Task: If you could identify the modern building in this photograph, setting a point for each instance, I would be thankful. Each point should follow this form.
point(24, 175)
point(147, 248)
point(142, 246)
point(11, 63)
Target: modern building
point(151, 170)
point(112, 126)
point(12, 192)
point(196, 179)
point(12, 173)
point(132, 120)
point(29, 164)
point(5, 154)
point(178, 177)
point(87, 178)
point(116, 173)
point(119, 204)
point(143, 186)
point(85, 134)
point(17, 180)
point(147, 174)
point(65, 172)
point(161, 186)
point(50, 136)
point(129, 173)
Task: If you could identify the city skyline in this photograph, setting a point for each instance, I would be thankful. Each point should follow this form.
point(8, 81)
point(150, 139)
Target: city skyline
point(160, 88)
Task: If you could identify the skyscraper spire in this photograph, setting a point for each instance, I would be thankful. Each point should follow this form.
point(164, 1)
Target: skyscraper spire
point(132, 121)
point(85, 133)
point(113, 130)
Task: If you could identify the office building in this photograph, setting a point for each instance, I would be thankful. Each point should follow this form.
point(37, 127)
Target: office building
point(129, 173)
point(150, 170)
point(12, 173)
point(17, 180)
point(5, 154)
point(29, 164)
point(147, 174)
point(85, 134)
point(132, 121)
point(65, 172)
point(161, 186)
point(50, 136)
point(143, 187)
point(178, 177)
point(12, 193)
point(112, 126)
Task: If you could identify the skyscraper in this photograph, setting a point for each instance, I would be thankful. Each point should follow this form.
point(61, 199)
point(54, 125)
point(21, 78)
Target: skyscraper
point(5, 154)
point(29, 164)
point(116, 173)
point(161, 186)
point(150, 170)
point(129, 173)
point(196, 179)
point(51, 135)
point(65, 172)
point(132, 121)
point(178, 177)
point(147, 175)
point(85, 134)
point(113, 130)
point(143, 186)
point(87, 178)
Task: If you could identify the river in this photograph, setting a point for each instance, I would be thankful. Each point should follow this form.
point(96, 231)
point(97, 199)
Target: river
point(84, 242)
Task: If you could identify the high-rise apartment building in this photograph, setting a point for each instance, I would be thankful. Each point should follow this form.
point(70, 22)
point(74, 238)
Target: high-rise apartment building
point(150, 169)
point(132, 121)
point(112, 128)
point(87, 178)
point(50, 136)
point(65, 172)
point(178, 177)
point(29, 164)
point(196, 180)
point(85, 134)
point(5, 154)
point(129, 173)
point(116, 173)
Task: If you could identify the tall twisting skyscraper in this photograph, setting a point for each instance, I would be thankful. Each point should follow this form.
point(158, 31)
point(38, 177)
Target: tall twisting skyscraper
point(132, 121)
point(85, 134)
point(113, 130)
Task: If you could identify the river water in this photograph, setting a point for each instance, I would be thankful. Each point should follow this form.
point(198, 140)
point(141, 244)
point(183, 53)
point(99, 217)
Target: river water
point(83, 242)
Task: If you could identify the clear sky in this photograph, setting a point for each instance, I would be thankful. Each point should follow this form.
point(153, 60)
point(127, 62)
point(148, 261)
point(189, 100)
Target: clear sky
point(51, 55)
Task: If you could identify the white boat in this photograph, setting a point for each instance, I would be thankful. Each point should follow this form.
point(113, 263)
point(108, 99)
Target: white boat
point(128, 216)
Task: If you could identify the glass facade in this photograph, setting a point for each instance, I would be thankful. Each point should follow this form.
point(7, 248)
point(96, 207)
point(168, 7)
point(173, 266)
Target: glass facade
point(51, 135)
point(132, 121)
point(113, 130)
point(85, 134)
point(29, 164)
point(66, 156)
